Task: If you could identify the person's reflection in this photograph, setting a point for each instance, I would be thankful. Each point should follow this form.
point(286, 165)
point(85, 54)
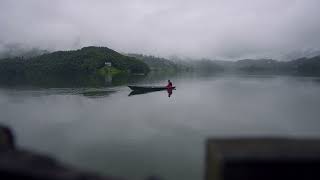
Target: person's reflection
point(169, 90)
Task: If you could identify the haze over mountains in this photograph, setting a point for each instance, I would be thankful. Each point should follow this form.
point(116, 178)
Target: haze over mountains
point(19, 50)
point(11, 50)
point(305, 63)
point(227, 29)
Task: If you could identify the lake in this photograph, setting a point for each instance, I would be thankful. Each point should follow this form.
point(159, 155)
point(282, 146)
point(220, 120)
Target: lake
point(106, 131)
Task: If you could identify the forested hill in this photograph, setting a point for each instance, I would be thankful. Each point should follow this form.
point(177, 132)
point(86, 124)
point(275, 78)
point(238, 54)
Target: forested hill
point(156, 63)
point(87, 61)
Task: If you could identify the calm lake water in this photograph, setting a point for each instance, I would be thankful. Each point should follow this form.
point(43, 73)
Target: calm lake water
point(107, 131)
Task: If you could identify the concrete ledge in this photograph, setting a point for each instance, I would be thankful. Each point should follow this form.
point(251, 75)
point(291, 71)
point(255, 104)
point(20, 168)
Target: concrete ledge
point(262, 159)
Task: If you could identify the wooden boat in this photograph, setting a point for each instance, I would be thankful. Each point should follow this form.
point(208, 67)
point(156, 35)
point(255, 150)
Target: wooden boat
point(149, 88)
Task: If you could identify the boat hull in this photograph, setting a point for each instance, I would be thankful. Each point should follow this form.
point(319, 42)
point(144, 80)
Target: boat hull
point(148, 88)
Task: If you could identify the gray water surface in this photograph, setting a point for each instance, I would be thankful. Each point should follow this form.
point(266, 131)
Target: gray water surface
point(107, 131)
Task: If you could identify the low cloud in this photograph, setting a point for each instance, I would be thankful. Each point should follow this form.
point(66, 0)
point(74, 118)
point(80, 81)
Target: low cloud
point(224, 29)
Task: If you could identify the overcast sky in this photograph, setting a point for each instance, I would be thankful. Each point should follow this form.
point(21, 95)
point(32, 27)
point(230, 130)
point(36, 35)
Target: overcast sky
point(225, 29)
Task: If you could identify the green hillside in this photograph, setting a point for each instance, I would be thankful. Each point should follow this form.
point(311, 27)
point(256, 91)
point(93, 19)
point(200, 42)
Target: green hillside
point(157, 63)
point(76, 64)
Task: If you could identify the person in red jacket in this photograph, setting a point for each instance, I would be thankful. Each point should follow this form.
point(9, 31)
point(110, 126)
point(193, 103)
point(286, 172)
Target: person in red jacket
point(169, 86)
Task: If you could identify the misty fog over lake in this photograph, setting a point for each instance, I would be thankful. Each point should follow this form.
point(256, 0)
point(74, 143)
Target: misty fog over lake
point(241, 71)
point(151, 134)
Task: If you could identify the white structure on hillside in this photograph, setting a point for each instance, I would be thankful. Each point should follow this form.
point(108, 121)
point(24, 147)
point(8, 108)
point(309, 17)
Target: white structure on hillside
point(108, 64)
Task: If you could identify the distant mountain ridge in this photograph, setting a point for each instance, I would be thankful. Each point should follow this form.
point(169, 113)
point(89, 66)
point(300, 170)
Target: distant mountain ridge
point(301, 66)
point(91, 62)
